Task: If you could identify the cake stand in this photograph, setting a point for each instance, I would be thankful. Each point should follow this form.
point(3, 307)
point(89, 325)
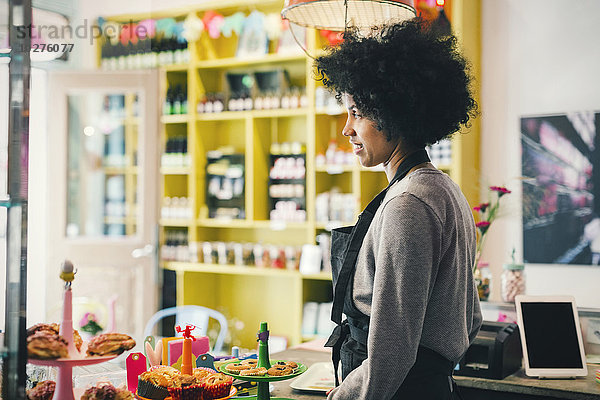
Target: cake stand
point(264, 361)
point(64, 378)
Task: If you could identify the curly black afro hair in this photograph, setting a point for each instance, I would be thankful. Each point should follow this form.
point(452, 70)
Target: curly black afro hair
point(412, 82)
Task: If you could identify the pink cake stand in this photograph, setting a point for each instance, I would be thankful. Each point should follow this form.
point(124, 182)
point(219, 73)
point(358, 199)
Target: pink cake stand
point(64, 378)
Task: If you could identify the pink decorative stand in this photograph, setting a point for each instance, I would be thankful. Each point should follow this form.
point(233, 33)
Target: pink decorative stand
point(64, 379)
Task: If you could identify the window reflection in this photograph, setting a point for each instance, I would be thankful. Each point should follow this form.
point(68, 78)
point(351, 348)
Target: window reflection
point(102, 164)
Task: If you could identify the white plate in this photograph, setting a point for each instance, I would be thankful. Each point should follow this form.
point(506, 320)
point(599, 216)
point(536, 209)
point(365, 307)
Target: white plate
point(318, 378)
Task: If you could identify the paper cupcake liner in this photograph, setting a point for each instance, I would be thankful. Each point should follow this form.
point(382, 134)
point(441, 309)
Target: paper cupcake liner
point(217, 391)
point(151, 391)
point(194, 392)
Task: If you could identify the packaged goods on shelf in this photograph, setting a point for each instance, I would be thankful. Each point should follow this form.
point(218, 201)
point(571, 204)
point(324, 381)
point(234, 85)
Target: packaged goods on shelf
point(262, 90)
point(246, 254)
point(176, 100)
point(324, 241)
point(335, 206)
point(325, 100)
point(334, 156)
point(142, 44)
point(287, 182)
point(211, 103)
point(440, 153)
point(316, 319)
point(176, 208)
point(225, 185)
point(176, 153)
point(175, 246)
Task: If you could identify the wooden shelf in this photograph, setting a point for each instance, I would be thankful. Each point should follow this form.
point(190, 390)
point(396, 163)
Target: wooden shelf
point(240, 115)
point(328, 226)
point(334, 111)
point(322, 276)
point(175, 170)
point(183, 223)
point(175, 119)
point(243, 223)
point(228, 269)
point(175, 68)
point(333, 169)
point(236, 62)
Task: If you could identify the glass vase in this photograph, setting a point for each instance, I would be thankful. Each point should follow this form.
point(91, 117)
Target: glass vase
point(483, 278)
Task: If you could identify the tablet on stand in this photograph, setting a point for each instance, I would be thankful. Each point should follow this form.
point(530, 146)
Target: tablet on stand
point(551, 336)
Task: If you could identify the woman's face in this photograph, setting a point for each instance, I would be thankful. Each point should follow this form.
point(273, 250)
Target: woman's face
point(368, 143)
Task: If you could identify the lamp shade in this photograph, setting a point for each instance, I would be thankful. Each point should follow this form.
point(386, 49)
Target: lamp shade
point(333, 15)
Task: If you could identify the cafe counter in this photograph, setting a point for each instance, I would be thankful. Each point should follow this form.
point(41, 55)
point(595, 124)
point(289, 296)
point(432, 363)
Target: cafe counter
point(517, 386)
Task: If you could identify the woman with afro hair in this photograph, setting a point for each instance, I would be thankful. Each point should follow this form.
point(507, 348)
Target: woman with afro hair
point(402, 275)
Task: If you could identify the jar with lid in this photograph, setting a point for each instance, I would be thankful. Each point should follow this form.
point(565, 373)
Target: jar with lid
point(513, 281)
point(483, 278)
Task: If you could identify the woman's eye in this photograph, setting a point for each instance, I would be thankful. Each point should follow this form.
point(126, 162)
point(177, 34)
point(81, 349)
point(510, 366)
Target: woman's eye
point(355, 114)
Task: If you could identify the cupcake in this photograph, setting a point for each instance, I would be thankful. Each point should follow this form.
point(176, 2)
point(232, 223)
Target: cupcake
point(153, 384)
point(217, 386)
point(186, 387)
point(200, 373)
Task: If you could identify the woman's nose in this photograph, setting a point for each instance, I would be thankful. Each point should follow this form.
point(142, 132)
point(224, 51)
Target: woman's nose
point(348, 130)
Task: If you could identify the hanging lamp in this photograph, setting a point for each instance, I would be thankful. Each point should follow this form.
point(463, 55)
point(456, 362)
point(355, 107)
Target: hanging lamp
point(337, 15)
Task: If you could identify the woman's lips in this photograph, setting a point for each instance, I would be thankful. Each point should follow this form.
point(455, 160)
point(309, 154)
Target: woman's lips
point(357, 148)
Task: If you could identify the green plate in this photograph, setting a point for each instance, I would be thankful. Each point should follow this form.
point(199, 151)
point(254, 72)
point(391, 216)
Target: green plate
point(300, 370)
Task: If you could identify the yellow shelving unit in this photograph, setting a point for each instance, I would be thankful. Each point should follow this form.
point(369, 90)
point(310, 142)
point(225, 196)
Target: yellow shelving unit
point(254, 294)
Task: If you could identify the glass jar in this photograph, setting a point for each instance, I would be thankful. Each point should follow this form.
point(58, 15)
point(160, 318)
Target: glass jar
point(513, 281)
point(483, 278)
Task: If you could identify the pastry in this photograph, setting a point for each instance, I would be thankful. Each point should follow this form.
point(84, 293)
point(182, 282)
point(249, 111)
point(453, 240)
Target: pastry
point(102, 391)
point(236, 368)
point(217, 386)
point(254, 372)
point(109, 344)
point(280, 370)
point(55, 328)
point(42, 391)
point(290, 364)
point(124, 394)
point(46, 345)
point(250, 361)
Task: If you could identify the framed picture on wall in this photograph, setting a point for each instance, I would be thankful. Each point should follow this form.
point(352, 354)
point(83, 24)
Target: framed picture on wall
point(561, 188)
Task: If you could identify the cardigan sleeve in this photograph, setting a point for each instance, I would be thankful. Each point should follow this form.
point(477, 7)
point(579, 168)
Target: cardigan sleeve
point(407, 256)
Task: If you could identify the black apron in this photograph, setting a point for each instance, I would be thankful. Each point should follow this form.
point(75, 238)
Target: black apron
point(430, 376)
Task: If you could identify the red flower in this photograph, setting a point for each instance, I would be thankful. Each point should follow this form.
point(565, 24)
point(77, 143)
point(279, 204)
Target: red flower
point(483, 226)
point(481, 207)
point(500, 189)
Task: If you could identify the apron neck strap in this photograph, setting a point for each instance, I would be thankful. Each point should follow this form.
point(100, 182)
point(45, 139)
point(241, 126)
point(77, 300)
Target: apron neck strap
point(409, 162)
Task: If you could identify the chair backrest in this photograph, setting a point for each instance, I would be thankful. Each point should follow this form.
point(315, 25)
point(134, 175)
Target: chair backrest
point(196, 315)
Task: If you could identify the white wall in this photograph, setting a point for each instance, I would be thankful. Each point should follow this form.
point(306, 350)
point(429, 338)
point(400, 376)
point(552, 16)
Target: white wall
point(538, 57)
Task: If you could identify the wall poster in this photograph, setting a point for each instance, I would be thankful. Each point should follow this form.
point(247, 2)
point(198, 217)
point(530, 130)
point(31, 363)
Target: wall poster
point(561, 188)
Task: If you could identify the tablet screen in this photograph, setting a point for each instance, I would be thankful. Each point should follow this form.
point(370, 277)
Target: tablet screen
point(551, 335)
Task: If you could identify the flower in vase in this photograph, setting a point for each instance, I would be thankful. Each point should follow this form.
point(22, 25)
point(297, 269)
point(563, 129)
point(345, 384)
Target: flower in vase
point(487, 212)
point(89, 323)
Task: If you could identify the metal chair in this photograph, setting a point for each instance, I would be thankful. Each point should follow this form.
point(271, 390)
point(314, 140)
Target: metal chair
point(196, 315)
